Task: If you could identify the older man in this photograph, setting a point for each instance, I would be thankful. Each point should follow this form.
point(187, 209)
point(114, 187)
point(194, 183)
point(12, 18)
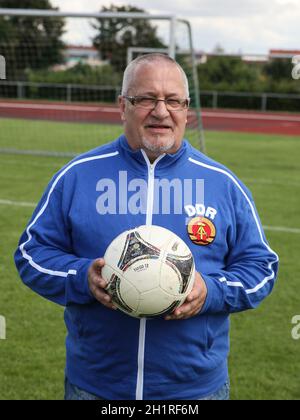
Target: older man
point(109, 354)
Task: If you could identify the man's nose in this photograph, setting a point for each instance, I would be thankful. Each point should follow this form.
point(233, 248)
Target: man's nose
point(160, 111)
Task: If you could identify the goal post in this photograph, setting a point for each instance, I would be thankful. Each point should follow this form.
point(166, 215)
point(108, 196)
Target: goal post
point(69, 105)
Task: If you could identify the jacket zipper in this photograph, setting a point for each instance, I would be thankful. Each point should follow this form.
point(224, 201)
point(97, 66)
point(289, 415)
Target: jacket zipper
point(142, 331)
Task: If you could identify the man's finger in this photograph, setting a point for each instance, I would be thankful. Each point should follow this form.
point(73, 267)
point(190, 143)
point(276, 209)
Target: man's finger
point(103, 298)
point(99, 282)
point(98, 264)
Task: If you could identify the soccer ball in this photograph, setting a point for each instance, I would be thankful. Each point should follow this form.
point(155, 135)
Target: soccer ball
point(149, 271)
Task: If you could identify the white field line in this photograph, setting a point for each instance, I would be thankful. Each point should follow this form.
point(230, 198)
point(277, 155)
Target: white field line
point(270, 182)
point(36, 163)
point(249, 116)
point(259, 181)
point(16, 203)
point(282, 229)
point(269, 228)
point(208, 114)
point(55, 107)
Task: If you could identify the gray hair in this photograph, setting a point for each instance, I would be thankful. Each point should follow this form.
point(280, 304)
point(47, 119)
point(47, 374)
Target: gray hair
point(150, 58)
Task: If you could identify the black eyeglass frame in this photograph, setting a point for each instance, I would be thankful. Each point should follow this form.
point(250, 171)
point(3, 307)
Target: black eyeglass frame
point(183, 103)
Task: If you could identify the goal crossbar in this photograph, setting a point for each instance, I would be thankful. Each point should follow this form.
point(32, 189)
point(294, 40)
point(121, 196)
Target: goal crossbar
point(173, 20)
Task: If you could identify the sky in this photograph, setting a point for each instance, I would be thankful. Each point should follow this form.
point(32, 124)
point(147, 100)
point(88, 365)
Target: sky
point(247, 26)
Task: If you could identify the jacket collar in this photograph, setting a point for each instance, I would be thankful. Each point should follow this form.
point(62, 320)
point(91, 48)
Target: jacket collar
point(137, 157)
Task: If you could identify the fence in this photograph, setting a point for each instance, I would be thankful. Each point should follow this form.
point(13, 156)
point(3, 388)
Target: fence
point(265, 101)
point(59, 91)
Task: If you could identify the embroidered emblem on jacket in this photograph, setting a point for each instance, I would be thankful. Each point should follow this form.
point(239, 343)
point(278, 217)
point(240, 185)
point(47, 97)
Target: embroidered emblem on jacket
point(201, 231)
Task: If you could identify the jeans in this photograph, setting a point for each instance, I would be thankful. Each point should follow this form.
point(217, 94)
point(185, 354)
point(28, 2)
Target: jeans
point(223, 394)
point(72, 392)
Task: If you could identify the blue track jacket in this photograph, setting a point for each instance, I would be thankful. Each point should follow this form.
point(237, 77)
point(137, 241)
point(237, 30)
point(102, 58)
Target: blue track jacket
point(111, 189)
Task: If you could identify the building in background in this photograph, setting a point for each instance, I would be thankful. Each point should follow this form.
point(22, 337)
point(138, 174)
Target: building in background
point(75, 54)
point(283, 53)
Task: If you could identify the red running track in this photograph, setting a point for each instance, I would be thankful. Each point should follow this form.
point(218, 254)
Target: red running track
point(240, 121)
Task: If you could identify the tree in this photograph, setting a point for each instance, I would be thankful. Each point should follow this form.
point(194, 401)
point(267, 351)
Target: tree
point(227, 73)
point(30, 42)
point(116, 35)
point(279, 69)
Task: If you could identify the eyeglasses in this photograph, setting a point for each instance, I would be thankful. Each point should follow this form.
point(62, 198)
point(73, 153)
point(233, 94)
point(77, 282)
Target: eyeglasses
point(147, 102)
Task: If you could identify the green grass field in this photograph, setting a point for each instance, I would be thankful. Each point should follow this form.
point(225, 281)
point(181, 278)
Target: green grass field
point(264, 360)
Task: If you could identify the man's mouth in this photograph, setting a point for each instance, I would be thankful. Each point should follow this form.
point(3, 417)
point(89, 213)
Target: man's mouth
point(158, 128)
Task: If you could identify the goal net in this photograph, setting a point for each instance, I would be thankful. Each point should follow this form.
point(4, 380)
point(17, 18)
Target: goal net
point(63, 76)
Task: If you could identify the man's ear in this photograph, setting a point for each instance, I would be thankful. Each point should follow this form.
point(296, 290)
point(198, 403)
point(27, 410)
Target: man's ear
point(122, 107)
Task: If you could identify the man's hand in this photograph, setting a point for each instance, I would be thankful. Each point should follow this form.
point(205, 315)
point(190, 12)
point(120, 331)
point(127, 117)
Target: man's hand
point(194, 301)
point(97, 284)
